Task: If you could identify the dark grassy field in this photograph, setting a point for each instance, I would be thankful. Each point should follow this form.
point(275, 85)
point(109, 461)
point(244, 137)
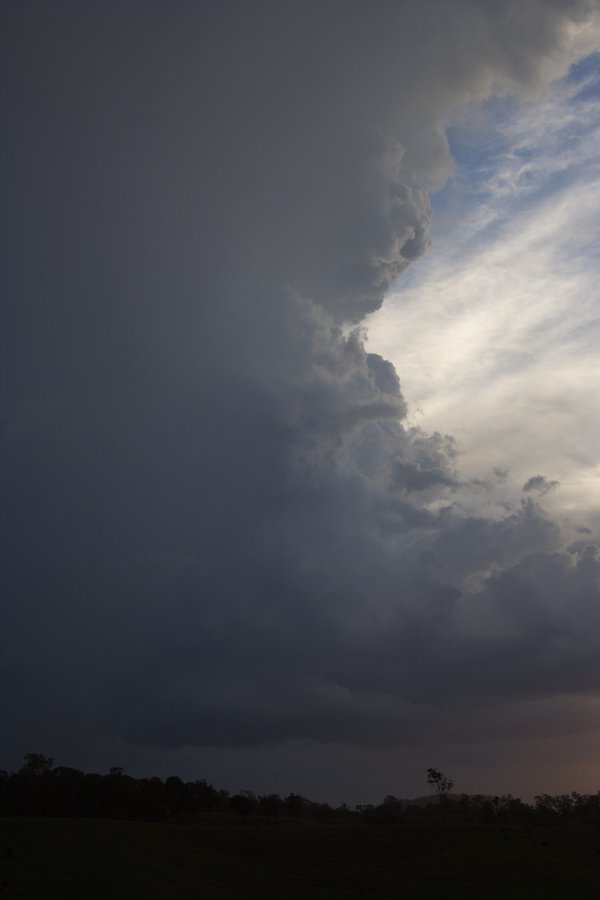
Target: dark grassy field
point(74, 859)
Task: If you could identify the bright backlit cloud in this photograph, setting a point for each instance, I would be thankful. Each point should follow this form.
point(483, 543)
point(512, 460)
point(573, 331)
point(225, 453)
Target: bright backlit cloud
point(495, 333)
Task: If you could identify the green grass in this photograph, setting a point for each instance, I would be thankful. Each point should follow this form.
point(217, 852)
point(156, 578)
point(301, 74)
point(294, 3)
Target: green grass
point(76, 859)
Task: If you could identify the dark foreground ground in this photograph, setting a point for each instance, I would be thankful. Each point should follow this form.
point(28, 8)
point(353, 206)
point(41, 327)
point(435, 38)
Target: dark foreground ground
point(76, 859)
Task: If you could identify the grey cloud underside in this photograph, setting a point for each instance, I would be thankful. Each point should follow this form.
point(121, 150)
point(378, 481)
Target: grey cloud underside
point(540, 484)
point(222, 530)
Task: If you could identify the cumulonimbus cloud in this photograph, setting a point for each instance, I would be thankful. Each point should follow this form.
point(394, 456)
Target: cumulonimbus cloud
point(225, 526)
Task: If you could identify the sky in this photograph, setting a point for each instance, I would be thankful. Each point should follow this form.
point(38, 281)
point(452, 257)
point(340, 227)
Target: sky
point(511, 285)
point(300, 475)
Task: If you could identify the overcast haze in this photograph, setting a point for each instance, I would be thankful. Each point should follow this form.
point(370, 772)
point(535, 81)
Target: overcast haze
point(292, 498)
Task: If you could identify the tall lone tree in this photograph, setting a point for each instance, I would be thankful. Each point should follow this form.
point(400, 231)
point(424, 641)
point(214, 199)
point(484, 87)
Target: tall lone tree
point(440, 783)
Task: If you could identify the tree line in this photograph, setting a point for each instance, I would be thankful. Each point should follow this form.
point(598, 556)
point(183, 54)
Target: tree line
point(40, 788)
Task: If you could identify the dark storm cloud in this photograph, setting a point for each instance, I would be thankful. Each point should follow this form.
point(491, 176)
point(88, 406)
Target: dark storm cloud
point(220, 528)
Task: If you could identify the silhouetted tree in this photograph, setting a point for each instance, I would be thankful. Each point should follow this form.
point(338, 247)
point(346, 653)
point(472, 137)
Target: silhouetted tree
point(36, 764)
point(294, 804)
point(440, 783)
point(242, 804)
point(270, 805)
